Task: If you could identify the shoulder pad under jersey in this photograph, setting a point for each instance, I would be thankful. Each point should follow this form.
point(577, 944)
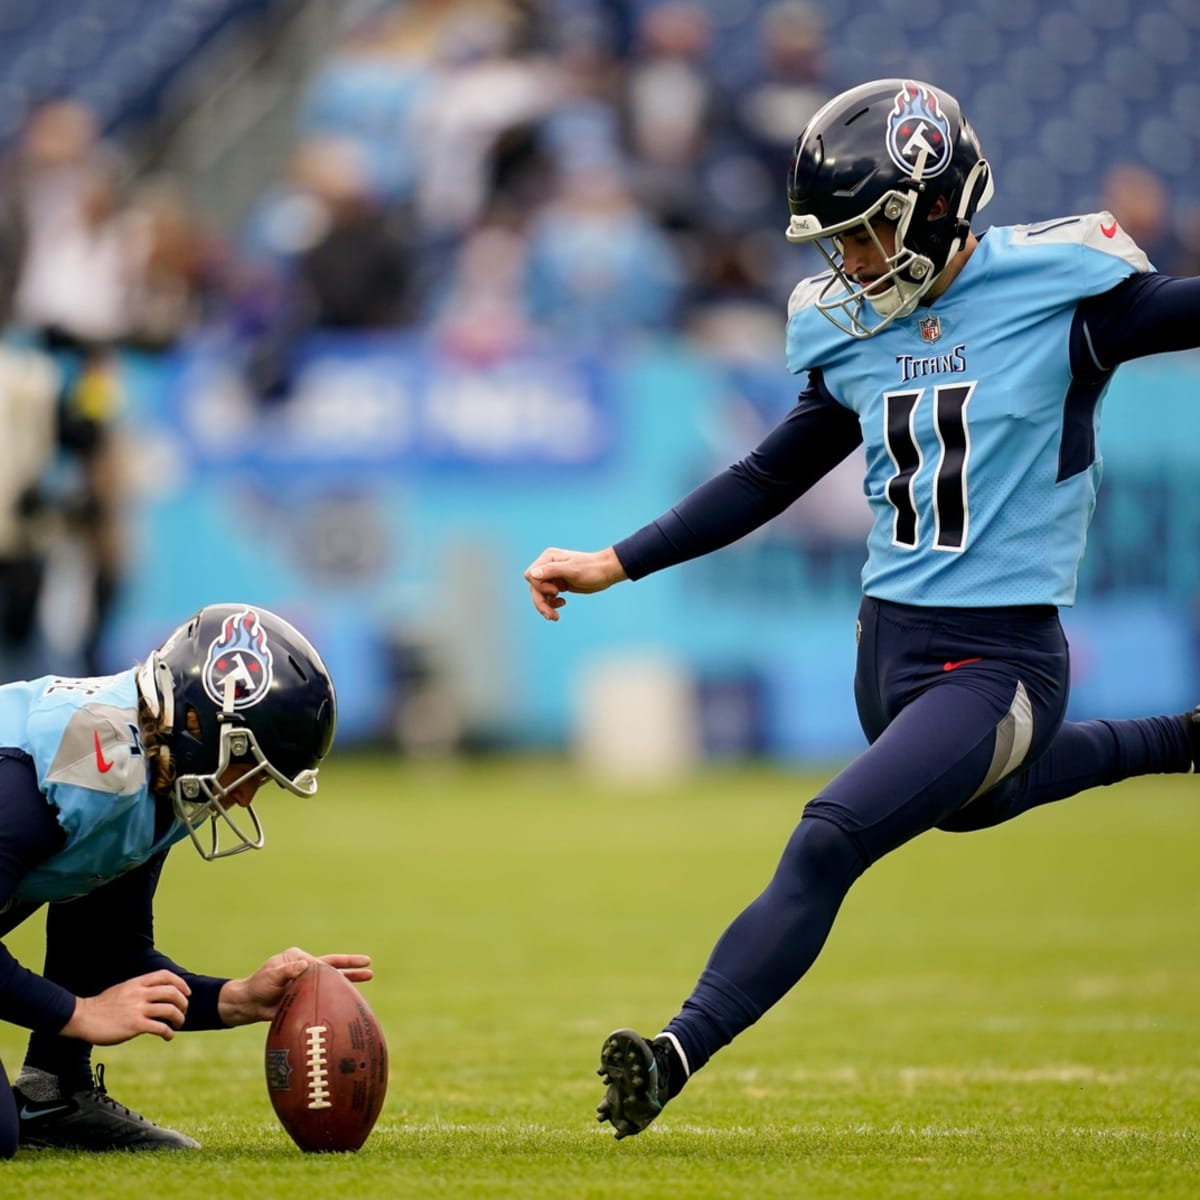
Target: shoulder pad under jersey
point(1093, 231)
point(808, 291)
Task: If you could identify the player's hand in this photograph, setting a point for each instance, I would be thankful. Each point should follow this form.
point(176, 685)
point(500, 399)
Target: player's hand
point(155, 1003)
point(255, 998)
point(556, 571)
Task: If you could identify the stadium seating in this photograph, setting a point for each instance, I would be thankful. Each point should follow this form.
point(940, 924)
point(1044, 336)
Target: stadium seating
point(1059, 90)
point(115, 55)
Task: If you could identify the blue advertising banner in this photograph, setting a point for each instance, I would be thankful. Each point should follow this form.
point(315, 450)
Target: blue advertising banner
point(370, 403)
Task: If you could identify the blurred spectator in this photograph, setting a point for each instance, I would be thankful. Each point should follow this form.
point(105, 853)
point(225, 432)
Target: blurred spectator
point(582, 127)
point(75, 278)
point(356, 272)
point(66, 182)
point(368, 89)
point(12, 240)
point(320, 250)
point(482, 316)
point(1139, 199)
point(174, 262)
point(671, 109)
point(87, 560)
point(747, 180)
point(441, 100)
point(293, 214)
point(486, 85)
point(1188, 226)
point(28, 395)
point(732, 315)
point(775, 108)
point(598, 264)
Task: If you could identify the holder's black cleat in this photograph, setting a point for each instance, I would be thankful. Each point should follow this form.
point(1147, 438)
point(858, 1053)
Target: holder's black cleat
point(91, 1119)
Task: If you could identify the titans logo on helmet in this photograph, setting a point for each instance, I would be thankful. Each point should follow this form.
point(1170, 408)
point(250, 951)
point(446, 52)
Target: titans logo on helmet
point(239, 659)
point(916, 124)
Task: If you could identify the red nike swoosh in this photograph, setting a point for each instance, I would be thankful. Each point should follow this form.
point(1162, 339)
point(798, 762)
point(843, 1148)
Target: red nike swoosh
point(962, 662)
point(102, 764)
point(1109, 230)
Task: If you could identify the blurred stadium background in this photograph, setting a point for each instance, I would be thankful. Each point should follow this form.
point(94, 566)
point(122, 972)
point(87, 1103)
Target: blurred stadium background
point(351, 308)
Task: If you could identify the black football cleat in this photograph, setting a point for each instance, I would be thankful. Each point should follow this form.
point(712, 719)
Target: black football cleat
point(637, 1072)
point(91, 1119)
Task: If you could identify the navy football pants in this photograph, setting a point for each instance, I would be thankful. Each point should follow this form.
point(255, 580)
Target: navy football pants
point(963, 710)
point(8, 1117)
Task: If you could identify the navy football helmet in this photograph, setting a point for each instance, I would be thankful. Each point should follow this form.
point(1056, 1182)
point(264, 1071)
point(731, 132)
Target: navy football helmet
point(891, 148)
point(237, 684)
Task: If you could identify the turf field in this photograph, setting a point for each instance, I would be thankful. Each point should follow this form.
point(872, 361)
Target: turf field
point(1013, 1013)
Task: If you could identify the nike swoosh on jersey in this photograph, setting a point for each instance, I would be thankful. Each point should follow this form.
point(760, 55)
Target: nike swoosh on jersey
point(962, 662)
point(103, 765)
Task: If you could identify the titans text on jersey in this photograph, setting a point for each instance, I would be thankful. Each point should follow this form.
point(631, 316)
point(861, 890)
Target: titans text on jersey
point(913, 367)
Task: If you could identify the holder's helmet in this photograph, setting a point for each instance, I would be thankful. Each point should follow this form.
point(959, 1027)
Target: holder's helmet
point(237, 684)
point(892, 148)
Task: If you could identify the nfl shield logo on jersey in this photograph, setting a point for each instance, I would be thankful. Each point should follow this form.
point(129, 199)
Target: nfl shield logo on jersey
point(931, 328)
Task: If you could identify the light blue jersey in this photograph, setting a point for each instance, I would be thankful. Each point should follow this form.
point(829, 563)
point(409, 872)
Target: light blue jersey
point(84, 739)
point(976, 434)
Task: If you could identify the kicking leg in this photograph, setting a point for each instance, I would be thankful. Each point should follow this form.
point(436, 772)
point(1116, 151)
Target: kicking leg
point(1083, 755)
point(766, 949)
point(935, 755)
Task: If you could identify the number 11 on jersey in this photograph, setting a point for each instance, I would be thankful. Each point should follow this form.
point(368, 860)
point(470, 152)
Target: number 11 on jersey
point(951, 512)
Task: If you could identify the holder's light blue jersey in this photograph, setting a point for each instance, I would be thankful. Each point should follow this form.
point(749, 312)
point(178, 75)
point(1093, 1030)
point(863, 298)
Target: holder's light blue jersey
point(83, 737)
point(976, 434)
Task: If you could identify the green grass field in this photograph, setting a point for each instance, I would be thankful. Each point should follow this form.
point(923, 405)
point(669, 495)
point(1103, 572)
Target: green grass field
point(1013, 1013)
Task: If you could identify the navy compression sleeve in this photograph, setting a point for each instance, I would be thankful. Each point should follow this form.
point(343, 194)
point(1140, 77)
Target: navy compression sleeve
point(108, 936)
point(28, 835)
point(811, 440)
point(1144, 314)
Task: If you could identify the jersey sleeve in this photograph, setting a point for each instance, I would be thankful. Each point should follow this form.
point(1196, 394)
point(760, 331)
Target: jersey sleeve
point(812, 339)
point(1108, 253)
point(109, 934)
point(1076, 257)
point(32, 1001)
point(28, 835)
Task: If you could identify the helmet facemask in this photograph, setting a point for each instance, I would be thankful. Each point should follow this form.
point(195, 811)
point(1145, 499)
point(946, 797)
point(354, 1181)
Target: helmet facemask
point(907, 274)
point(198, 798)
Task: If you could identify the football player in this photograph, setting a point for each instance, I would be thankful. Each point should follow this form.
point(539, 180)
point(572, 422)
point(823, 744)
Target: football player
point(971, 368)
point(99, 777)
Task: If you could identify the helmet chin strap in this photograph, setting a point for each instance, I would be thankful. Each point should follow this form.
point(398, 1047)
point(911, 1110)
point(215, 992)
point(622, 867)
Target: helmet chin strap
point(157, 688)
point(976, 192)
point(903, 297)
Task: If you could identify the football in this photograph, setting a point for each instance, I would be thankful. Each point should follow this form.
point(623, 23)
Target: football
point(326, 1060)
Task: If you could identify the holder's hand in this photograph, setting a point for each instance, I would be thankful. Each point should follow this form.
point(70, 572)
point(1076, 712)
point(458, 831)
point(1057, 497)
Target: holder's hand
point(155, 1003)
point(255, 998)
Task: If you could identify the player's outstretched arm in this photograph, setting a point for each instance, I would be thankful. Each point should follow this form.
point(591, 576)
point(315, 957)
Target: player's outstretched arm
point(555, 571)
point(255, 998)
point(155, 1003)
